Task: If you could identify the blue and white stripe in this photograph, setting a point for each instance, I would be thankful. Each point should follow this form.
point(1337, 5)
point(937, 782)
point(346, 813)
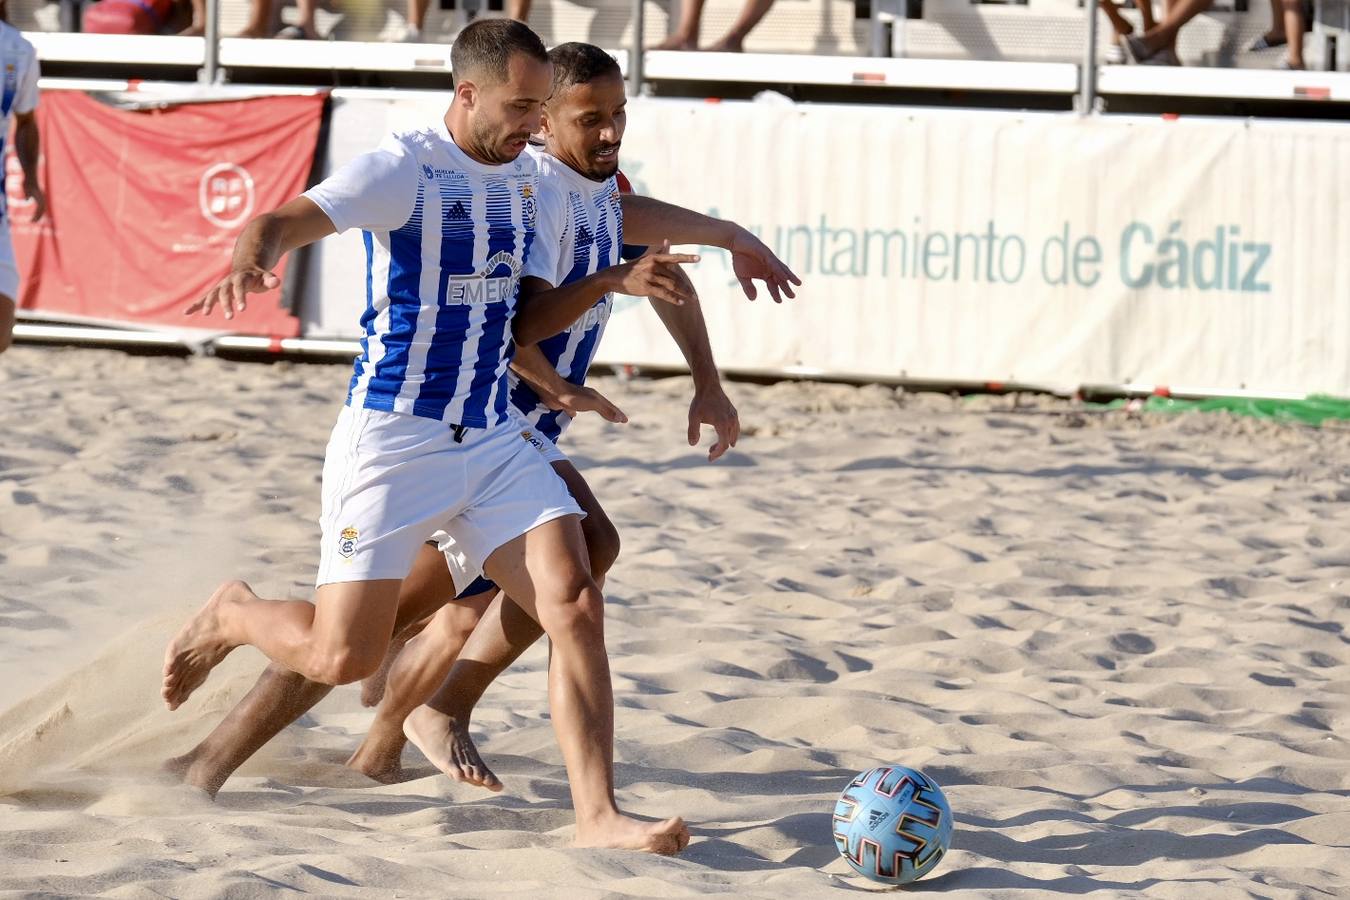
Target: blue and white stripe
point(442, 288)
point(592, 241)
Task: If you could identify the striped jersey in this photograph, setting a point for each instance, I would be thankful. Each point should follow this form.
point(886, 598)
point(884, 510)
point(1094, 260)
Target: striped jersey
point(580, 232)
point(19, 92)
point(446, 238)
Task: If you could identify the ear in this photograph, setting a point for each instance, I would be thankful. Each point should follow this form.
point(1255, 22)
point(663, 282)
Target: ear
point(466, 94)
point(543, 121)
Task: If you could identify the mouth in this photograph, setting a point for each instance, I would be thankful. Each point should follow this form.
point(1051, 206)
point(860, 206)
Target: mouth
point(607, 154)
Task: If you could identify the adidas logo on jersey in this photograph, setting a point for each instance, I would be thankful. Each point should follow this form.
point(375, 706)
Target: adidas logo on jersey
point(457, 213)
point(584, 237)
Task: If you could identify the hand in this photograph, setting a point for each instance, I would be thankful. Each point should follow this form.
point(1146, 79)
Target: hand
point(751, 259)
point(656, 275)
point(232, 289)
point(576, 398)
point(713, 407)
point(34, 193)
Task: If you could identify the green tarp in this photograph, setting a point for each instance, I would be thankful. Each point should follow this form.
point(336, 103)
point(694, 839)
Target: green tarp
point(1312, 410)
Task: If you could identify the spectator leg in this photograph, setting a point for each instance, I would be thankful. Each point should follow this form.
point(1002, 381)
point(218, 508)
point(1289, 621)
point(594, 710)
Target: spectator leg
point(1292, 17)
point(686, 33)
point(751, 13)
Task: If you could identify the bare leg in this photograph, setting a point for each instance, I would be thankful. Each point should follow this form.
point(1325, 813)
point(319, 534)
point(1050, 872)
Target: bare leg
point(1145, 8)
point(441, 728)
point(417, 14)
point(518, 10)
point(372, 688)
point(1118, 22)
point(7, 316)
point(281, 696)
point(259, 20)
point(545, 572)
point(197, 28)
point(686, 33)
point(441, 731)
point(277, 699)
point(419, 669)
point(306, 23)
point(1293, 31)
point(338, 639)
point(751, 13)
point(1164, 35)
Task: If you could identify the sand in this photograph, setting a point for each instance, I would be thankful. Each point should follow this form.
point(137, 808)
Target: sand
point(1116, 640)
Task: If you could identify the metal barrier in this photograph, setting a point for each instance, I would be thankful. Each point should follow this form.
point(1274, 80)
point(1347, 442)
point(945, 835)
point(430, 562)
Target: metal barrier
point(1039, 54)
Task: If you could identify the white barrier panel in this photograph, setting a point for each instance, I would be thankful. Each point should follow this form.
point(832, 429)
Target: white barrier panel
point(977, 246)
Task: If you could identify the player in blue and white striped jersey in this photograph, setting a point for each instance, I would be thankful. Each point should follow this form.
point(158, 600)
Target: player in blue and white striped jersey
point(424, 441)
point(18, 100)
point(579, 233)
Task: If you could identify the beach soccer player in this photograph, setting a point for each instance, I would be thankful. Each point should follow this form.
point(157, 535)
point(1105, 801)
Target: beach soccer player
point(425, 440)
point(18, 100)
point(581, 231)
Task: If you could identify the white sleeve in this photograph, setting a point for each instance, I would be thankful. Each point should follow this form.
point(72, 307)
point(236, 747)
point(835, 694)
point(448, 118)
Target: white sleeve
point(26, 95)
point(553, 235)
point(374, 192)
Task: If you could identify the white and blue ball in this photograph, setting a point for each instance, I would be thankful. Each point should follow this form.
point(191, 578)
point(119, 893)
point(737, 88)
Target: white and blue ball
point(892, 824)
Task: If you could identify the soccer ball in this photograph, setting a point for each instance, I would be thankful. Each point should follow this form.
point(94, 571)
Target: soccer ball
point(893, 824)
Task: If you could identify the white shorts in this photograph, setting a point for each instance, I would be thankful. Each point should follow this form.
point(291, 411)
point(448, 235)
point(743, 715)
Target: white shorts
point(389, 480)
point(9, 269)
point(462, 569)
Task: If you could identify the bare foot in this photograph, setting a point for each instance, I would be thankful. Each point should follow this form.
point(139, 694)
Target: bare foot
point(379, 760)
point(193, 30)
point(189, 770)
point(620, 832)
point(199, 646)
point(445, 742)
point(728, 44)
point(675, 42)
point(372, 689)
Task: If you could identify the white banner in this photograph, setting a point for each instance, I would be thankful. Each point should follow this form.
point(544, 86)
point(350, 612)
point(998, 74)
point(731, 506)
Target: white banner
point(981, 246)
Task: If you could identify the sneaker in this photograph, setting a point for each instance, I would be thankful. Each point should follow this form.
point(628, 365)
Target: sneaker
point(1267, 41)
point(1113, 55)
point(1136, 51)
point(1286, 66)
point(411, 35)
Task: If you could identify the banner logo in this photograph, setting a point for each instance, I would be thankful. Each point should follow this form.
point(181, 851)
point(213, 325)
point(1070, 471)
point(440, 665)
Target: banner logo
point(226, 195)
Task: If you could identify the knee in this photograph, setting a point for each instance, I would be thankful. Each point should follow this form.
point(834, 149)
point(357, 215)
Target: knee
point(343, 666)
point(573, 604)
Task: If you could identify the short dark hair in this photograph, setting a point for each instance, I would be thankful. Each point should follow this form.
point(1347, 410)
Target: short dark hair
point(578, 63)
point(484, 49)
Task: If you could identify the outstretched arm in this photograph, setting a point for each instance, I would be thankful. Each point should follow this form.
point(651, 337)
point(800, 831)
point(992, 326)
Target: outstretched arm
point(650, 221)
point(710, 405)
point(557, 392)
point(260, 246)
point(546, 310)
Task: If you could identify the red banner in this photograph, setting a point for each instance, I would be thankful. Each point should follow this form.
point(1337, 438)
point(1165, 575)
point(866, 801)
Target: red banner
point(144, 206)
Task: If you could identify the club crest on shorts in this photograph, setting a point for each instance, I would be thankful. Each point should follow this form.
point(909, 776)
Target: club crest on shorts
point(347, 542)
